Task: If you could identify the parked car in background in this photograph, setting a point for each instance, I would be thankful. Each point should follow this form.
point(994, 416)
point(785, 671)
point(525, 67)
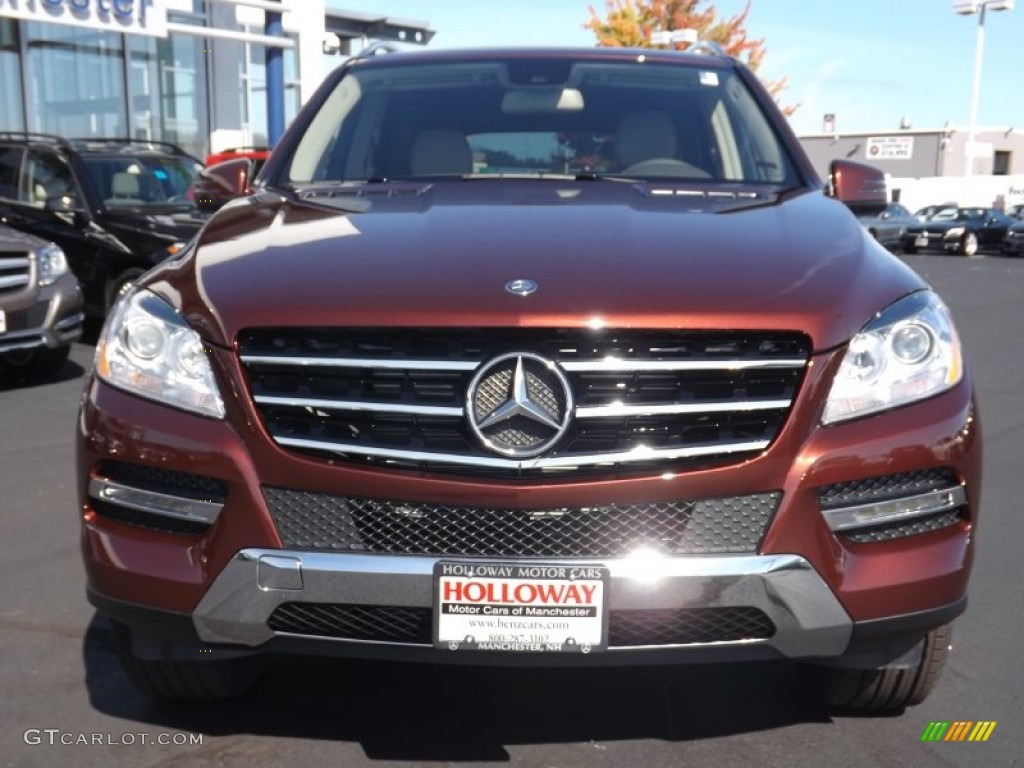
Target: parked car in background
point(1013, 243)
point(888, 226)
point(1016, 211)
point(115, 206)
point(958, 230)
point(928, 211)
point(258, 155)
point(40, 305)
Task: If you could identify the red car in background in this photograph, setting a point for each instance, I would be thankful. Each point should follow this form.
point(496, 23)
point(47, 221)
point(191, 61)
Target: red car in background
point(258, 155)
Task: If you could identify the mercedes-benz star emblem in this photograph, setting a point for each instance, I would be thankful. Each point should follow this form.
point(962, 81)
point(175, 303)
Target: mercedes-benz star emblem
point(519, 404)
point(521, 287)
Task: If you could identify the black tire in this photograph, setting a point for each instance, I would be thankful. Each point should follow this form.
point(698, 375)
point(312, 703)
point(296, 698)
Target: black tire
point(120, 284)
point(186, 680)
point(969, 244)
point(42, 362)
point(889, 688)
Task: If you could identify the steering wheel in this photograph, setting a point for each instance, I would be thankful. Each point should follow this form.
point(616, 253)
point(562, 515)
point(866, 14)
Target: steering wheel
point(665, 166)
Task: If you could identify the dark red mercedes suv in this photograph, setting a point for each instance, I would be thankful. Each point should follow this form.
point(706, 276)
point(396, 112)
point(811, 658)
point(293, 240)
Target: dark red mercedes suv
point(536, 357)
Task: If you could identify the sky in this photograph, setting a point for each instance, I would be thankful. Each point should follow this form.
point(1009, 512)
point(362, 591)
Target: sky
point(871, 63)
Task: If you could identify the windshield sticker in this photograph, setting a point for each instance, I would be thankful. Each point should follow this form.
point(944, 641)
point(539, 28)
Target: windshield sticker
point(709, 78)
point(160, 173)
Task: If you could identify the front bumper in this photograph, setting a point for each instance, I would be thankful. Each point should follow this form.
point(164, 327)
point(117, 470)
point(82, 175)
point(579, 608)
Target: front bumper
point(52, 318)
point(808, 619)
point(228, 579)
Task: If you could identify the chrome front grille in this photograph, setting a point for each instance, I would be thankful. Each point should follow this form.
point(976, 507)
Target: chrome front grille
point(642, 400)
point(14, 272)
point(320, 521)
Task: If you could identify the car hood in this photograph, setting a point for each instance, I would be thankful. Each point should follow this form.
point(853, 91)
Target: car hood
point(603, 254)
point(15, 240)
point(151, 229)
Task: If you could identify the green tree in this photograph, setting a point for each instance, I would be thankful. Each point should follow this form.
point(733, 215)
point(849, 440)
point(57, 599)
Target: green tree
point(629, 24)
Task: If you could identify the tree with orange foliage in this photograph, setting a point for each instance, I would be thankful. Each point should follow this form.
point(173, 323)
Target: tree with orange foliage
point(629, 24)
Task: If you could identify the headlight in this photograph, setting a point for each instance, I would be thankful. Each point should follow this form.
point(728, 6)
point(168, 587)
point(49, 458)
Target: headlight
point(147, 349)
point(954, 233)
point(52, 264)
point(910, 351)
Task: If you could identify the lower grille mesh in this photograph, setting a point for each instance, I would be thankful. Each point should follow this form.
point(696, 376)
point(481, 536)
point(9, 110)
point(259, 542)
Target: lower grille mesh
point(398, 624)
point(148, 520)
point(889, 531)
point(382, 623)
point(307, 520)
point(884, 487)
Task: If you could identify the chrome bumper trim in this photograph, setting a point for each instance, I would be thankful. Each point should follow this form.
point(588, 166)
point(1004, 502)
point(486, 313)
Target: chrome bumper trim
point(154, 502)
point(23, 340)
point(809, 620)
point(844, 519)
point(70, 322)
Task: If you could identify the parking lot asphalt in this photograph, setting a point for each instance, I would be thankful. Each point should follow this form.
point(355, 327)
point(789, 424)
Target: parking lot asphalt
point(62, 685)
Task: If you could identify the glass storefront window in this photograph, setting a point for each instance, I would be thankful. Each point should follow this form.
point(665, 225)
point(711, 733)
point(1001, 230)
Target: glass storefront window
point(254, 96)
point(75, 81)
point(168, 90)
point(12, 115)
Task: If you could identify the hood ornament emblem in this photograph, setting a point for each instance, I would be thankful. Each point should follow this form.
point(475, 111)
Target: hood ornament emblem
point(521, 287)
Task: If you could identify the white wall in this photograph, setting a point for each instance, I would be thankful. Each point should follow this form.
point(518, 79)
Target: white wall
point(969, 190)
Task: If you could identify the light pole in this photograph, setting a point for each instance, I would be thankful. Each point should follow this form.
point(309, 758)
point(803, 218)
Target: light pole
point(969, 8)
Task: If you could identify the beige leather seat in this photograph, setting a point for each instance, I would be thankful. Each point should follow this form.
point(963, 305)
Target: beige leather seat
point(125, 189)
point(646, 144)
point(644, 135)
point(440, 151)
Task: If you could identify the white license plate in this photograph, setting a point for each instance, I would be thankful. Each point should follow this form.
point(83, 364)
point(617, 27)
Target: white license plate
point(3, 321)
point(921, 242)
point(520, 608)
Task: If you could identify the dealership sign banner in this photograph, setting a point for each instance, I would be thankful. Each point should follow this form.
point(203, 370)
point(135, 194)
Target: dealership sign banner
point(140, 17)
point(889, 148)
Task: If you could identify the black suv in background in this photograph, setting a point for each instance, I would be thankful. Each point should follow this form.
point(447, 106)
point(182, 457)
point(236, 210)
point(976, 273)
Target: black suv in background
point(115, 206)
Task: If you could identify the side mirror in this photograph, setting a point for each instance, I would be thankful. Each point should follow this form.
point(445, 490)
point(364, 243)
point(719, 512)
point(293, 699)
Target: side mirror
point(220, 183)
point(861, 187)
point(64, 204)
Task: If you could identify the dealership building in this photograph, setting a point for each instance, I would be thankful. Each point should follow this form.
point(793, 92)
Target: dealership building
point(926, 167)
point(192, 72)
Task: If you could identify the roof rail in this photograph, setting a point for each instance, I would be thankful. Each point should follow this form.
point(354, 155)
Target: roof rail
point(381, 46)
point(118, 141)
point(707, 48)
point(49, 138)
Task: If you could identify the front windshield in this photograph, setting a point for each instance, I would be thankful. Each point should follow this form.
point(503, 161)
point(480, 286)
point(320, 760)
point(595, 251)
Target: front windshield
point(538, 117)
point(130, 180)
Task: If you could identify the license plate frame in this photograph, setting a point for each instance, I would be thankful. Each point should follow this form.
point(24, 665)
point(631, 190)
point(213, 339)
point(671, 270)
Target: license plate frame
point(520, 608)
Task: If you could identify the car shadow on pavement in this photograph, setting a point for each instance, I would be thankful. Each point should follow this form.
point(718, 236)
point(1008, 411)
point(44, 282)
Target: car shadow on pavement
point(12, 378)
point(422, 712)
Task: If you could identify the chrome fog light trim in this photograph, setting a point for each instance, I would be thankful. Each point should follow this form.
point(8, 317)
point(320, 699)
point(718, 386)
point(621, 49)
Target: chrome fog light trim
point(154, 502)
point(895, 510)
